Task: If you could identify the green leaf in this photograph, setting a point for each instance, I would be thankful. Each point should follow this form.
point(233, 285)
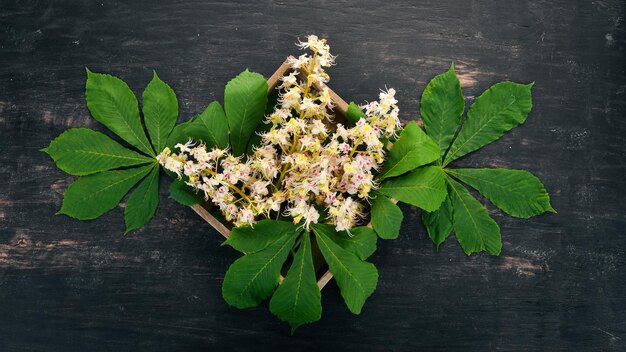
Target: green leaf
point(517, 192)
point(81, 151)
point(354, 113)
point(356, 279)
point(210, 126)
point(160, 111)
point(272, 101)
point(248, 239)
point(245, 97)
point(474, 229)
point(93, 195)
point(439, 222)
point(256, 139)
point(179, 134)
point(143, 202)
point(386, 217)
point(441, 108)
point(184, 194)
point(499, 109)
point(114, 105)
point(413, 149)
point(253, 277)
point(361, 241)
point(298, 299)
point(424, 188)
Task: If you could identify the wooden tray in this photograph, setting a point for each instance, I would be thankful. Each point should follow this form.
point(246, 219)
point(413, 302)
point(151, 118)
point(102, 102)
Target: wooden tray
point(341, 107)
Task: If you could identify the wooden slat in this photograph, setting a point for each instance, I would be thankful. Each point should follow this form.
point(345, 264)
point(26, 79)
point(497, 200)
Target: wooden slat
point(324, 279)
point(204, 214)
point(272, 82)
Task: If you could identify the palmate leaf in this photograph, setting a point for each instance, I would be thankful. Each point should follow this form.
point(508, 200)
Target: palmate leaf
point(184, 194)
point(211, 127)
point(143, 202)
point(439, 222)
point(248, 239)
point(90, 153)
point(517, 192)
point(253, 277)
point(356, 279)
point(93, 195)
point(500, 108)
point(160, 111)
point(474, 228)
point(114, 105)
point(245, 97)
point(386, 217)
point(413, 149)
point(424, 188)
point(298, 299)
point(81, 151)
point(441, 108)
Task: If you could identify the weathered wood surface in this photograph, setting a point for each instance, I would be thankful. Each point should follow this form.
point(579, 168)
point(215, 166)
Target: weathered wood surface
point(560, 283)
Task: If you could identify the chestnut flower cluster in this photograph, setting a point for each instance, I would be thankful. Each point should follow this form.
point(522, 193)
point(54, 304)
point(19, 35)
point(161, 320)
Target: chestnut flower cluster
point(302, 169)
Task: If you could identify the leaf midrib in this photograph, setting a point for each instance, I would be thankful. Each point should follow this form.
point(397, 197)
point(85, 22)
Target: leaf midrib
point(300, 275)
point(408, 187)
point(449, 157)
point(245, 110)
point(358, 283)
point(91, 195)
point(140, 158)
point(476, 228)
point(442, 125)
point(452, 171)
point(406, 155)
point(117, 111)
point(158, 125)
point(247, 287)
point(210, 131)
point(152, 179)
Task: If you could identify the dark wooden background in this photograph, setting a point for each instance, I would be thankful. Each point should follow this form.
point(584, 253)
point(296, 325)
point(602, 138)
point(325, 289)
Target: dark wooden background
point(560, 283)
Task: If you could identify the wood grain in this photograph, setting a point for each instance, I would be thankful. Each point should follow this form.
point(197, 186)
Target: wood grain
point(559, 285)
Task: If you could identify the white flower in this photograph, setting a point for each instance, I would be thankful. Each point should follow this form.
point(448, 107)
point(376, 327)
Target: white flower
point(289, 80)
point(174, 165)
point(163, 155)
point(311, 216)
point(291, 98)
point(342, 132)
point(301, 166)
point(245, 217)
point(260, 188)
point(387, 97)
point(325, 98)
point(185, 148)
point(318, 128)
point(301, 62)
point(189, 168)
point(309, 107)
